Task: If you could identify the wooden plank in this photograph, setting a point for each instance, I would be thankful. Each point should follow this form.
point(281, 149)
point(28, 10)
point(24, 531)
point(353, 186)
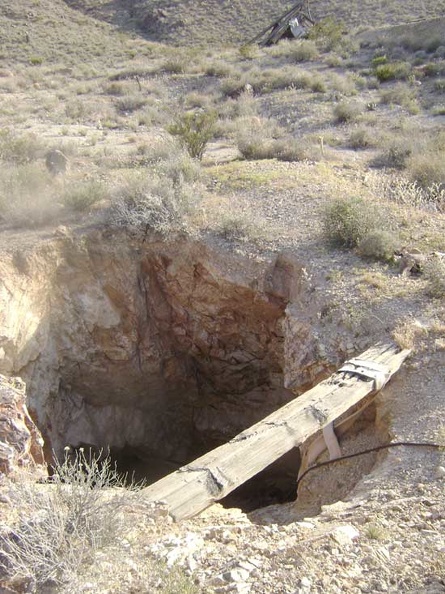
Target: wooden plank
point(211, 477)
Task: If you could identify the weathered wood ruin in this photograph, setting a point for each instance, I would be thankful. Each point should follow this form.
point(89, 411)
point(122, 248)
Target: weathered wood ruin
point(294, 24)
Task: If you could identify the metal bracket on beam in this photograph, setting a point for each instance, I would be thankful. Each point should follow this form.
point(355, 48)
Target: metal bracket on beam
point(367, 370)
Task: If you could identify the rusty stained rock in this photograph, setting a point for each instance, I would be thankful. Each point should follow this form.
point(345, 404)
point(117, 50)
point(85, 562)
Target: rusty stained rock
point(21, 444)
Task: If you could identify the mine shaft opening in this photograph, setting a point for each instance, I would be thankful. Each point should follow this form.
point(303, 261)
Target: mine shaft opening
point(162, 353)
point(275, 484)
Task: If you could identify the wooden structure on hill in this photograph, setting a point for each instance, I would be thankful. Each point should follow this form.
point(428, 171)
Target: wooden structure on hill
point(194, 487)
point(294, 23)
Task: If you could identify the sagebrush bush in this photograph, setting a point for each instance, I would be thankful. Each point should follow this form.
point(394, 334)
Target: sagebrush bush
point(130, 103)
point(434, 273)
point(348, 111)
point(19, 148)
point(402, 95)
point(362, 138)
point(63, 524)
point(259, 138)
point(395, 156)
point(347, 221)
point(148, 202)
point(298, 51)
point(378, 244)
point(80, 196)
point(427, 169)
point(194, 129)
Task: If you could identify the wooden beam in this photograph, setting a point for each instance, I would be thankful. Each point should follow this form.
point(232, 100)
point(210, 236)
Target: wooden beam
point(194, 487)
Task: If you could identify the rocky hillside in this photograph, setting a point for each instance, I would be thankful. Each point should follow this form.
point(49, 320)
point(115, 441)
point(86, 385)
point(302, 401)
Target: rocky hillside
point(236, 21)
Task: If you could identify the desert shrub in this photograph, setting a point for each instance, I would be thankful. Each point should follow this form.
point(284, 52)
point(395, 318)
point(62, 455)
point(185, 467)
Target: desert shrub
point(297, 51)
point(404, 191)
point(305, 51)
point(255, 137)
point(439, 85)
point(156, 203)
point(328, 33)
point(194, 130)
point(361, 138)
point(345, 85)
point(379, 60)
point(348, 111)
point(378, 244)
point(249, 51)
point(79, 197)
point(198, 100)
point(27, 195)
point(17, 148)
point(392, 71)
point(434, 273)
point(347, 221)
point(282, 149)
point(218, 68)
point(401, 95)
point(116, 88)
point(395, 156)
point(427, 169)
point(130, 103)
point(63, 524)
point(176, 65)
point(233, 86)
point(291, 149)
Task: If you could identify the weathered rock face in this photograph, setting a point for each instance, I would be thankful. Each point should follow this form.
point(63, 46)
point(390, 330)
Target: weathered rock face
point(170, 349)
point(21, 445)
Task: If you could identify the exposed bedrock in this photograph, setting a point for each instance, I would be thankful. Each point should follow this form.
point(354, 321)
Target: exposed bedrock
point(164, 349)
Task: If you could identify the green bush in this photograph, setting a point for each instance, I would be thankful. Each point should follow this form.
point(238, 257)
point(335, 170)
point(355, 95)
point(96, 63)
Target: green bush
point(328, 34)
point(392, 71)
point(347, 221)
point(194, 130)
point(378, 244)
point(80, 197)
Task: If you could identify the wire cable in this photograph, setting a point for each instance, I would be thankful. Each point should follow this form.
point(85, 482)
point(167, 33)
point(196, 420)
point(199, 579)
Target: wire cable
point(375, 449)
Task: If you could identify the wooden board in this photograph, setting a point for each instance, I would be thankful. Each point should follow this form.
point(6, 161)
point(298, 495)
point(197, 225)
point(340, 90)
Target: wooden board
point(194, 487)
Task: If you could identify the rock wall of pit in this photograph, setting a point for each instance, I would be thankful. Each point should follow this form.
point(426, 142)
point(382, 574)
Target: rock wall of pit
point(170, 348)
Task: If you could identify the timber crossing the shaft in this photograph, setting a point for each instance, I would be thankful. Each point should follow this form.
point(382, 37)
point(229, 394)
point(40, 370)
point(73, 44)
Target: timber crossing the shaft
point(197, 485)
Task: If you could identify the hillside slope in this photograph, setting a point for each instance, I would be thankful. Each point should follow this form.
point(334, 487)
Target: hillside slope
point(51, 32)
point(237, 21)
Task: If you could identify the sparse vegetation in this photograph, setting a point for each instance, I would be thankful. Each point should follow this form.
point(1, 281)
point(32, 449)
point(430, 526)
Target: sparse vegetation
point(348, 221)
point(378, 244)
point(64, 524)
point(434, 273)
point(392, 71)
point(80, 197)
point(348, 111)
point(194, 130)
